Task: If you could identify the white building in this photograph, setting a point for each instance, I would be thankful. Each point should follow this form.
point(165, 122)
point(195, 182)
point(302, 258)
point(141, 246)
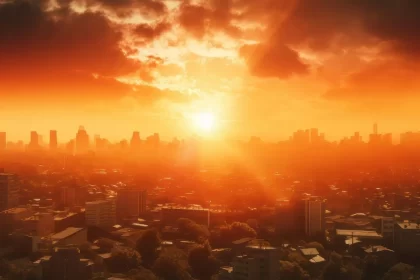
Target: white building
point(101, 213)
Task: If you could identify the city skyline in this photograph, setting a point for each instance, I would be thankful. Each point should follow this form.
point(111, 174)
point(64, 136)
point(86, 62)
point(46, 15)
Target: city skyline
point(52, 141)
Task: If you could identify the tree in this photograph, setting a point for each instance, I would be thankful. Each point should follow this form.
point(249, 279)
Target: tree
point(235, 231)
point(192, 231)
point(147, 245)
point(292, 271)
point(334, 269)
point(167, 268)
point(400, 271)
point(202, 263)
point(123, 260)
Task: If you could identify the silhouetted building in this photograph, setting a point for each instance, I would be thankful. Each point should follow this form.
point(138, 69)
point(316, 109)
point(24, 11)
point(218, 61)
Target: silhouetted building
point(34, 141)
point(131, 203)
point(135, 141)
point(314, 136)
point(3, 141)
point(70, 147)
point(53, 140)
point(82, 141)
point(9, 191)
point(153, 140)
point(407, 238)
point(375, 128)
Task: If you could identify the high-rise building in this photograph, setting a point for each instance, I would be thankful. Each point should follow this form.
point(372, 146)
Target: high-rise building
point(3, 141)
point(82, 141)
point(131, 203)
point(375, 128)
point(135, 141)
point(34, 141)
point(9, 191)
point(101, 213)
point(53, 140)
point(314, 208)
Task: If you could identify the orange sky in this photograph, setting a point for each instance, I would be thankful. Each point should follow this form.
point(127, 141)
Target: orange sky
point(265, 67)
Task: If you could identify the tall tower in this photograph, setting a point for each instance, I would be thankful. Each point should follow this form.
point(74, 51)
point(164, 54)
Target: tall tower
point(53, 139)
point(82, 141)
point(34, 141)
point(135, 141)
point(375, 128)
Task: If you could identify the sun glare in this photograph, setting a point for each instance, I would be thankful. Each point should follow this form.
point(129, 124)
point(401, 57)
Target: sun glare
point(204, 121)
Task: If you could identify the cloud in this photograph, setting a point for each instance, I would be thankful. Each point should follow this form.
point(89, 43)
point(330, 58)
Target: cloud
point(273, 61)
point(70, 57)
point(200, 20)
point(388, 80)
point(149, 33)
point(123, 7)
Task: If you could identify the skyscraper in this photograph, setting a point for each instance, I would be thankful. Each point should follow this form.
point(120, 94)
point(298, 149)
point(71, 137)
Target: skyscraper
point(314, 208)
point(131, 203)
point(9, 191)
point(53, 139)
point(82, 141)
point(2, 141)
point(135, 141)
point(34, 141)
point(375, 128)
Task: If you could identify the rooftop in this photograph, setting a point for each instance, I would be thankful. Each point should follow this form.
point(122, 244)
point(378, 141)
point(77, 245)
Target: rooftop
point(66, 233)
point(309, 251)
point(358, 233)
point(408, 225)
point(317, 259)
point(377, 249)
point(257, 247)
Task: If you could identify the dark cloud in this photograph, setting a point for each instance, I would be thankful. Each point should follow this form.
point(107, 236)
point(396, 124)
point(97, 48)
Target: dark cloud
point(152, 7)
point(273, 61)
point(200, 20)
point(74, 57)
point(149, 33)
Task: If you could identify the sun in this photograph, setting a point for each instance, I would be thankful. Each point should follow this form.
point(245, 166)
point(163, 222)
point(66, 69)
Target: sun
point(204, 121)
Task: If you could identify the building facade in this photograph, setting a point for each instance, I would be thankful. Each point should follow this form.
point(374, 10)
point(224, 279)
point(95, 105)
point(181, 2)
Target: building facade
point(101, 213)
point(9, 191)
point(131, 203)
